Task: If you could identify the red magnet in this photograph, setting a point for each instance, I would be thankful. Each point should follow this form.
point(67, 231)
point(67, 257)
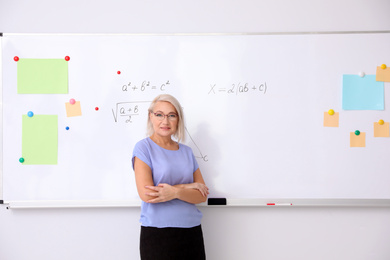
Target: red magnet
point(96, 108)
point(119, 72)
point(67, 58)
point(16, 58)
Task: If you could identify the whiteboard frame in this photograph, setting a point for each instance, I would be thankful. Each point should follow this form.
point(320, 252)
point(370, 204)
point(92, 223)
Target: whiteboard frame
point(197, 34)
point(52, 204)
point(1, 118)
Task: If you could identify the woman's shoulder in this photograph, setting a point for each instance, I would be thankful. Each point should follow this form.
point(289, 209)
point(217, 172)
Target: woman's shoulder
point(143, 143)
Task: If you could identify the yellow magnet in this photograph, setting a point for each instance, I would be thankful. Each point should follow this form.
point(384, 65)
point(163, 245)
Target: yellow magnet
point(381, 122)
point(331, 112)
point(383, 66)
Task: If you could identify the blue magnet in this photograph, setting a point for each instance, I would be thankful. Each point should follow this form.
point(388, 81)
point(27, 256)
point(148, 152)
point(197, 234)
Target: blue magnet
point(67, 128)
point(30, 114)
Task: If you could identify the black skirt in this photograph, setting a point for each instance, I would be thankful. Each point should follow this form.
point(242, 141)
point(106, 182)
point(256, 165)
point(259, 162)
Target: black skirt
point(172, 243)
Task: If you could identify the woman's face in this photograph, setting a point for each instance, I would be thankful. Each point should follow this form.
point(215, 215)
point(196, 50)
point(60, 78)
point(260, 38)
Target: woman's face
point(164, 119)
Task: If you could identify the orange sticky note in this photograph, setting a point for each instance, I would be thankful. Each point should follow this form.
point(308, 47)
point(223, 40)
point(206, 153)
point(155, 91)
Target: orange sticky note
point(73, 109)
point(331, 120)
point(382, 74)
point(381, 130)
point(357, 140)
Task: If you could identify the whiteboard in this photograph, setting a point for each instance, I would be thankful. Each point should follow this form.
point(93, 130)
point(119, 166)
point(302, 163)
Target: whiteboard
point(253, 104)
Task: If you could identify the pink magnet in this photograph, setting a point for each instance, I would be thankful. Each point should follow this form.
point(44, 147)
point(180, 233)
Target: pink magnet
point(72, 101)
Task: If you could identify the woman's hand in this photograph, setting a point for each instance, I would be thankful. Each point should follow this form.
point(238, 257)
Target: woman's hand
point(204, 190)
point(162, 193)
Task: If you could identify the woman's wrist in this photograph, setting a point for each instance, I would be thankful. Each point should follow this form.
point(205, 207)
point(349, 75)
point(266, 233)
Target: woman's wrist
point(180, 186)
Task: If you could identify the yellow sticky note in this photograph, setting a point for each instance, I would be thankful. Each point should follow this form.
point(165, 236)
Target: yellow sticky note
point(381, 130)
point(331, 120)
point(383, 74)
point(73, 109)
point(357, 140)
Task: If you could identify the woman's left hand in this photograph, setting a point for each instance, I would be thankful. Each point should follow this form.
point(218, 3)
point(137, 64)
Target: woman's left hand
point(163, 192)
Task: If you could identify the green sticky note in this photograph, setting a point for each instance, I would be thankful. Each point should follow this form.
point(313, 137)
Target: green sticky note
point(42, 76)
point(40, 139)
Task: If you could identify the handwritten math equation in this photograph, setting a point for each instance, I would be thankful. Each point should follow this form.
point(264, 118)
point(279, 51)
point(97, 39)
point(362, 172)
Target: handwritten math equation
point(127, 111)
point(145, 86)
point(239, 88)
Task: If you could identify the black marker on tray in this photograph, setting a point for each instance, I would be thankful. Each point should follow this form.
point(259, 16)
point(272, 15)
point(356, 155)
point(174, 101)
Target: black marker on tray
point(216, 201)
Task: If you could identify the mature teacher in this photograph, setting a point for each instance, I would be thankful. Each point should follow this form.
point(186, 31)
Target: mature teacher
point(170, 183)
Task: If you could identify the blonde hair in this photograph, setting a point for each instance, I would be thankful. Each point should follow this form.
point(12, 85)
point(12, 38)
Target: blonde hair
point(180, 131)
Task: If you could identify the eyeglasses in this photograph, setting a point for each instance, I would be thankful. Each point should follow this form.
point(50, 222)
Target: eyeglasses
point(160, 116)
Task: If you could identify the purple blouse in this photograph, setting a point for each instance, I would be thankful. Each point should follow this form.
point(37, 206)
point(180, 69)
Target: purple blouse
point(171, 167)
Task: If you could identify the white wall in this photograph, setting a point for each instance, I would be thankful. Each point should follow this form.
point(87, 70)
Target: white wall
point(230, 233)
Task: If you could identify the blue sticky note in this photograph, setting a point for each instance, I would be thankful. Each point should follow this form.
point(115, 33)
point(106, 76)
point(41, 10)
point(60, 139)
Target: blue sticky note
point(363, 93)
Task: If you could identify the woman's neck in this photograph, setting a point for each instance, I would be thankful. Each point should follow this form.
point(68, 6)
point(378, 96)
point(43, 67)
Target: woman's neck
point(165, 142)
